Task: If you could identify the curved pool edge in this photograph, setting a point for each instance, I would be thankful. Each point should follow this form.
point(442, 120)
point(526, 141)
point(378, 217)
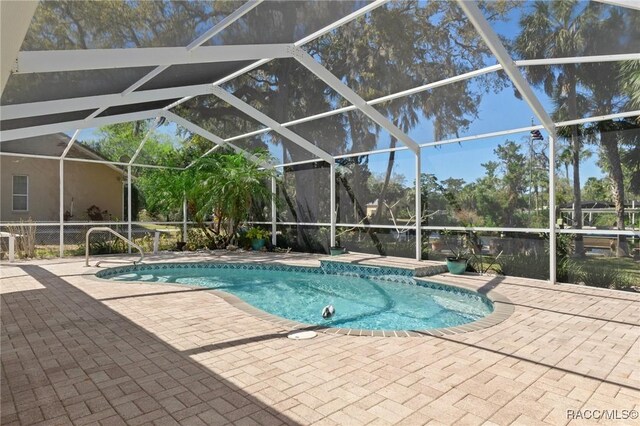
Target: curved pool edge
point(502, 307)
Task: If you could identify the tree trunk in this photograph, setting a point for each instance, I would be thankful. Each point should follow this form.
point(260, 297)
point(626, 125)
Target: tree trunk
point(575, 146)
point(372, 234)
point(387, 178)
point(609, 142)
point(306, 200)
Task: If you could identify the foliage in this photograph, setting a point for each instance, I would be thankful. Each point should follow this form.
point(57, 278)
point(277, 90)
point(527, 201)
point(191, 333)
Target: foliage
point(95, 214)
point(531, 262)
point(231, 188)
point(198, 239)
point(317, 242)
point(565, 247)
point(119, 142)
point(25, 242)
point(255, 233)
point(113, 24)
point(630, 78)
point(461, 245)
point(597, 276)
point(222, 191)
point(533, 265)
point(107, 244)
point(596, 190)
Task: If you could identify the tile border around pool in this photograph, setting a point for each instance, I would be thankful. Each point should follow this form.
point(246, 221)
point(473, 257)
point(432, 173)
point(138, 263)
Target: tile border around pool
point(503, 307)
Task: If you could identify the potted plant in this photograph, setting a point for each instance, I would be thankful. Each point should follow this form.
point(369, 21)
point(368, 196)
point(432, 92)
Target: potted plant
point(459, 258)
point(457, 263)
point(258, 237)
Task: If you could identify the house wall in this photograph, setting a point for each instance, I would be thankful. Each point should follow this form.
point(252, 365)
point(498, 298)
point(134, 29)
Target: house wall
point(88, 183)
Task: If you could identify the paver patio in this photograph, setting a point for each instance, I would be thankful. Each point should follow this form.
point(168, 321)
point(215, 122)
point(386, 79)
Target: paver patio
point(76, 350)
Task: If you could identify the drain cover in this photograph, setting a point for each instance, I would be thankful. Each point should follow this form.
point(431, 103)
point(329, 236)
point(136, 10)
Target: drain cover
point(302, 335)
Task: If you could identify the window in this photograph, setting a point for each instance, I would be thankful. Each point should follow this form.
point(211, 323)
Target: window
point(20, 193)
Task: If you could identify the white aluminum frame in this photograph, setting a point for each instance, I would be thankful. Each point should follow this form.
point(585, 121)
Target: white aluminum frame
point(492, 41)
point(332, 203)
point(475, 137)
point(447, 81)
point(418, 213)
point(365, 9)
point(94, 59)
point(87, 160)
point(631, 4)
point(151, 130)
point(103, 101)
point(218, 141)
point(162, 58)
point(48, 129)
point(72, 141)
point(343, 90)
point(234, 16)
point(552, 210)
point(274, 125)
point(274, 212)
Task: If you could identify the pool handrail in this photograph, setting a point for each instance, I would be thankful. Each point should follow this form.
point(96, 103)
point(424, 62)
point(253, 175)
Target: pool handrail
point(122, 237)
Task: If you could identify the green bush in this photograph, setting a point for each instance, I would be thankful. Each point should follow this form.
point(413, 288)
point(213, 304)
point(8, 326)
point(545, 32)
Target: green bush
point(106, 244)
point(198, 239)
point(255, 233)
point(599, 276)
point(535, 265)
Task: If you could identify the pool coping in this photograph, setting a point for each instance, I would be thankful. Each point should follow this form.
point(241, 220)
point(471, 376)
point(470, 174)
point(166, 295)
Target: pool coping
point(503, 309)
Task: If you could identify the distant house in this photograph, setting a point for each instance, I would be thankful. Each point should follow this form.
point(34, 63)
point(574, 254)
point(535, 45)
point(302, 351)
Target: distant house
point(29, 187)
point(372, 208)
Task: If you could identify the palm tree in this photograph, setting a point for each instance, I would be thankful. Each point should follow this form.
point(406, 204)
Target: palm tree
point(630, 70)
point(232, 187)
point(607, 95)
point(560, 29)
point(630, 77)
point(565, 153)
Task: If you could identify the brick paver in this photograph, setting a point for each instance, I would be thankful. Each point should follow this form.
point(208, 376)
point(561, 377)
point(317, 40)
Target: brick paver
point(76, 350)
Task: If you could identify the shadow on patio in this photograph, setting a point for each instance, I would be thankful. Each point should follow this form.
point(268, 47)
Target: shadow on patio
point(67, 356)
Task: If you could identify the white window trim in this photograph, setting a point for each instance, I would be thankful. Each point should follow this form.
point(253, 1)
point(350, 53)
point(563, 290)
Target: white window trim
point(19, 195)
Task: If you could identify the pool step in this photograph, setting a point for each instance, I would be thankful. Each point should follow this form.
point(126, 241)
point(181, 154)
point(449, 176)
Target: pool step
point(362, 263)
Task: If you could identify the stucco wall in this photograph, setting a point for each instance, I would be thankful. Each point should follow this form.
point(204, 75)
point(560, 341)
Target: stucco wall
point(87, 183)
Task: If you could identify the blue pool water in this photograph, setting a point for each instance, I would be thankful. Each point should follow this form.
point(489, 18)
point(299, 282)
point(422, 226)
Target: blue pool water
point(366, 303)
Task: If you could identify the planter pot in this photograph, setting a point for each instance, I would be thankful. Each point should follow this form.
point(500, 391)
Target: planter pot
point(336, 251)
point(456, 266)
point(180, 245)
point(257, 244)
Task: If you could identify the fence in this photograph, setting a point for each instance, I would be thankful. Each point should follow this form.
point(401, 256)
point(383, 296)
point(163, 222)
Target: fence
point(610, 257)
point(43, 240)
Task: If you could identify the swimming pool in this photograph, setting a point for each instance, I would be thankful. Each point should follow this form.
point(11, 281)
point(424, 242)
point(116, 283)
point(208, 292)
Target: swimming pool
point(387, 302)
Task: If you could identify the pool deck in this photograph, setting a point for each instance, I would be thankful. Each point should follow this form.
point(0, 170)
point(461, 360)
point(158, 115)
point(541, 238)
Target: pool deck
point(76, 350)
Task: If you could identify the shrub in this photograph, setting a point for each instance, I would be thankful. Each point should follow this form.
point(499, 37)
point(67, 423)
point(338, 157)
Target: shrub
point(107, 244)
point(255, 233)
point(534, 265)
point(96, 214)
point(599, 276)
point(25, 239)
